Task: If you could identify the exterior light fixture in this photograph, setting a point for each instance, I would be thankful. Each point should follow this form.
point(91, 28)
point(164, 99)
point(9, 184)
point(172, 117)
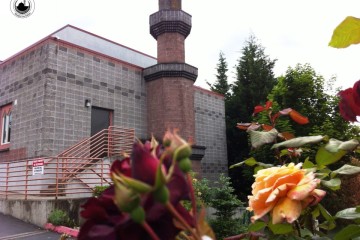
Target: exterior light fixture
point(87, 103)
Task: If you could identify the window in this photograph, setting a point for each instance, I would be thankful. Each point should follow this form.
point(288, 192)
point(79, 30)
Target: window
point(5, 122)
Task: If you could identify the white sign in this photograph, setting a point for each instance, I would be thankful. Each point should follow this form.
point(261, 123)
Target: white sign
point(38, 167)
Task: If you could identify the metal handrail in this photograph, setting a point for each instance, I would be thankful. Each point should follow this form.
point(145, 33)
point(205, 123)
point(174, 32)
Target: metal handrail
point(75, 171)
point(55, 182)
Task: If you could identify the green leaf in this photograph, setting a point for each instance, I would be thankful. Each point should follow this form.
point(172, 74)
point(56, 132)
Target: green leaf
point(358, 209)
point(316, 212)
point(265, 165)
point(256, 226)
point(347, 170)
point(324, 157)
point(260, 138)
point(284, 152)
point(136, 185)
point(348, 213)
point(349, 232)
point(333, 184)
point(298, 142)
point(325, 213)
point(335, 145)
point(330, 220)
point(160, 179)
point(237, 165)
point(346, 33)
point(280, 228)
point(258, 168)
point(250, 161)
point(308, 164)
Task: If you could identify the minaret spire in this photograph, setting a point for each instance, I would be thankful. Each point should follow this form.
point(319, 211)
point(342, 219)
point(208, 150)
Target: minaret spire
point(169, 83)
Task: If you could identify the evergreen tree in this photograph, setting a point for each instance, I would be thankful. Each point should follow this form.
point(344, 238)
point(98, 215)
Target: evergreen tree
point(221, 85)
point(254, 81)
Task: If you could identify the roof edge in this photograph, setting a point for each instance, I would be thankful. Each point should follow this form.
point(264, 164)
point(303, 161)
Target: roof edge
point(106, 39)
point(25, 49)
point(208, 91)
point(50, 36)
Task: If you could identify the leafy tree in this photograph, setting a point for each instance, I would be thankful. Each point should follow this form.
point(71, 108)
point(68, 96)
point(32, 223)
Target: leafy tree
point(304, 90)
point(221, 85)
point(254, 81)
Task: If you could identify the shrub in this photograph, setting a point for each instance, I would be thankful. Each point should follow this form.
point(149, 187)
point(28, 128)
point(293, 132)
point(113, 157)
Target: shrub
point(59, 217)
point(221, 197)
point(98, 190)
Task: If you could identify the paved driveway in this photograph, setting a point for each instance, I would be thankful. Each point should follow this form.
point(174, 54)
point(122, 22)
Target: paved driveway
point(12, 228)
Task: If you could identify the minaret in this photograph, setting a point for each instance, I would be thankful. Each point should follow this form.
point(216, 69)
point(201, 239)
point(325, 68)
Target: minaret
point(169, 84)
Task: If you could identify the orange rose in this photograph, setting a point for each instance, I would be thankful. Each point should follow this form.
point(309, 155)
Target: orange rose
point(284, 192)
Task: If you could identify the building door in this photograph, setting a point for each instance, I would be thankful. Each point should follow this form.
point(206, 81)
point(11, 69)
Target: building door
point(101, 118)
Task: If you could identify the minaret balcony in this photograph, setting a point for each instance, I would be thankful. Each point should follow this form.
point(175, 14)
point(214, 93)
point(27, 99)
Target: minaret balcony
point(165, 21)
point(165, 70)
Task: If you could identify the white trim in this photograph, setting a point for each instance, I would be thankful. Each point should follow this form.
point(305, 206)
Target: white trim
point(5, 127)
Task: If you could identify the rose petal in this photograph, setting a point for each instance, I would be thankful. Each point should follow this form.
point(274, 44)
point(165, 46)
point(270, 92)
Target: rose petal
point(122, 166)
point(348, 108)
point(301, 192)
point(286, 209)
point(356, 92)
point(309, 177)
point(144, 164)
point(292, 178)
point(279, 192)
point(315, 197)
point(258, 203)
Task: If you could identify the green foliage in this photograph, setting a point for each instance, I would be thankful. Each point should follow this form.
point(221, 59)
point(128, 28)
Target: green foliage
point(254, 77)
point(303, 90)
point(221, 197)
point(98, 190)
point(59, 217)
point(328, 152)
point(346, 33)
point(221, 85)
point(254, 81)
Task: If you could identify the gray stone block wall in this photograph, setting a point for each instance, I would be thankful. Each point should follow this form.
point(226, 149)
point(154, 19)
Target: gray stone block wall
point(74, 75)
point(22, 81)
point(210, 131)
point(50, 83)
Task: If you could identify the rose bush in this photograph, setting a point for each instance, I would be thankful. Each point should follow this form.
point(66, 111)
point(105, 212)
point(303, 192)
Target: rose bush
point(144, 201)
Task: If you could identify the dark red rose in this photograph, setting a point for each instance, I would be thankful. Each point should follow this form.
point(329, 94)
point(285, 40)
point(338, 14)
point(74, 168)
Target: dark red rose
point(349, 104)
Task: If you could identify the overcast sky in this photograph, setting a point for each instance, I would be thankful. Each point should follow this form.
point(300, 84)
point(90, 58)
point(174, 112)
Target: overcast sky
point(290, 31)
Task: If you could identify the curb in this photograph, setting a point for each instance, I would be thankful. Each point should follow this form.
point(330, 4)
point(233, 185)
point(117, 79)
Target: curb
point(62, 229)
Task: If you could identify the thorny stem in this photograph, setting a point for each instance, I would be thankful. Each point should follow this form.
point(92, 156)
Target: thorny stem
point(182, 236)
point(297, 226)
point(150, 231)
point(193, 200)
point(173, 211)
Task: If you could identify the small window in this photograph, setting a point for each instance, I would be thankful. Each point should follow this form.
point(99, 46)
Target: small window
point(5, 124)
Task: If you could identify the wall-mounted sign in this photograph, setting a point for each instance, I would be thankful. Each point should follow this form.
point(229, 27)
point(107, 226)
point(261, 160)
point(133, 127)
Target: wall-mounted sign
point(38, 167)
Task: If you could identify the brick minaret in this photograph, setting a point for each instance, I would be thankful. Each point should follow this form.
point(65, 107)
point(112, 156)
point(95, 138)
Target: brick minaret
point(169, 84)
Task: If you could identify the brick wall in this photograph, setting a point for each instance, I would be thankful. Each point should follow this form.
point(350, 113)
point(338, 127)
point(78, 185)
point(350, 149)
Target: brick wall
point(171, 48)
point(170, 105)
point(210, 132)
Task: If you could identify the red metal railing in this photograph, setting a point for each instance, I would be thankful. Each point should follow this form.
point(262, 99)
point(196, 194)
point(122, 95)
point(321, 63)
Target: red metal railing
point(73, 173)
point(21, 183)
point(113, 141)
